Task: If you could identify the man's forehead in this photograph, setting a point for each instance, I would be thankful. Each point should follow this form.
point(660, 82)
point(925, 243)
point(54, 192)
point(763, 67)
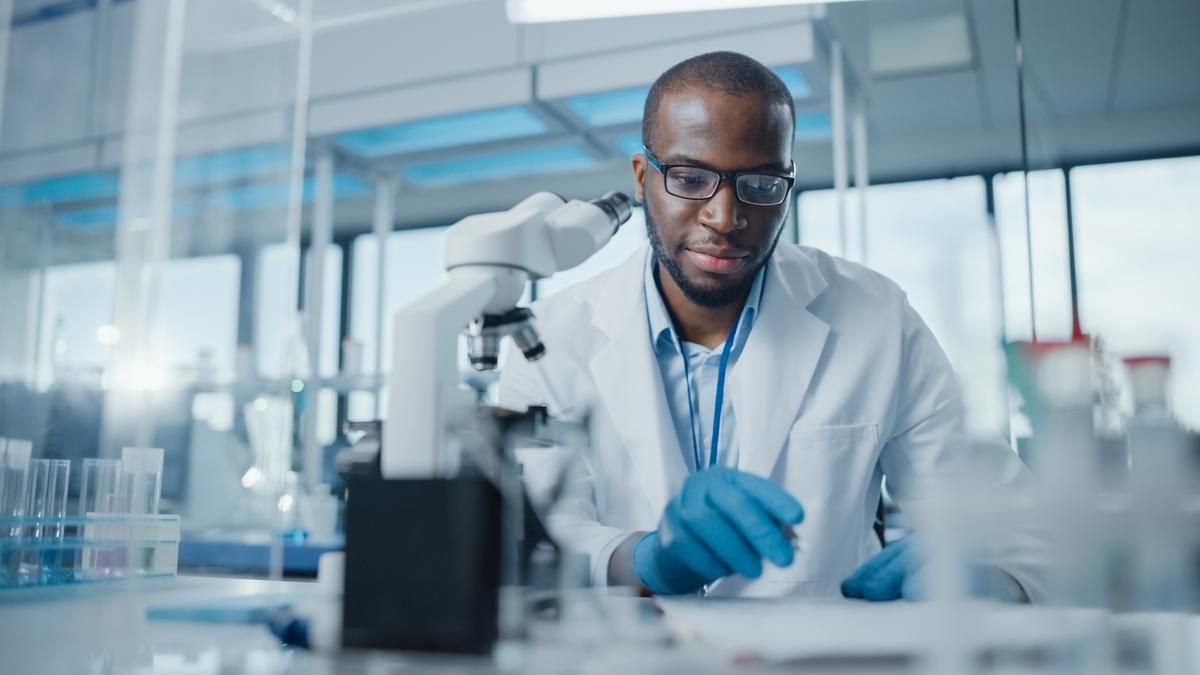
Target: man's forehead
point(723, 129)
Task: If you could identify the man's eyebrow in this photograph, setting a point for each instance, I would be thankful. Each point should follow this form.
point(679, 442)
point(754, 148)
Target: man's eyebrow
point(692, 161)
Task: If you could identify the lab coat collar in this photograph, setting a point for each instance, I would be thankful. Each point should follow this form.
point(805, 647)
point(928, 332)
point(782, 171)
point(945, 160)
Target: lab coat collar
point(662, 328)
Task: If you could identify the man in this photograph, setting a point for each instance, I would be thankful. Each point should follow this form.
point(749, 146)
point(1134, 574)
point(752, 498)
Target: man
point(739, 390)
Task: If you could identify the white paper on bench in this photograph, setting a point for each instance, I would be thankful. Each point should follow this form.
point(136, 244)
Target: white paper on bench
point(797, 628)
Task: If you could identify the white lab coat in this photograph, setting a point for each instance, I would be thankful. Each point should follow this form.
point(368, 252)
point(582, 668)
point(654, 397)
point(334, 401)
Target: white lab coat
point(839, 384)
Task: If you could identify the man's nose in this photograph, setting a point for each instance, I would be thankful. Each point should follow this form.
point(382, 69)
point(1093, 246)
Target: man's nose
point(723, 212)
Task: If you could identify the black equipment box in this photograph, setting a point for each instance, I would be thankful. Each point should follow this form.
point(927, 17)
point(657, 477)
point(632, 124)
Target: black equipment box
point(423, 564)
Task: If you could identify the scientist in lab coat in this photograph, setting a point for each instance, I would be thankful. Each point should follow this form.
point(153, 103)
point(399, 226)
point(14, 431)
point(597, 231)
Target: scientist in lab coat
point(740, 389)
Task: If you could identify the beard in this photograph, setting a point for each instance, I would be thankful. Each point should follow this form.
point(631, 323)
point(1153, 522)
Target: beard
point(712, 297)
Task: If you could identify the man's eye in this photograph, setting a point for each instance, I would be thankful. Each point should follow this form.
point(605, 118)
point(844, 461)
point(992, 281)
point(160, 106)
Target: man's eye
point(689, 179)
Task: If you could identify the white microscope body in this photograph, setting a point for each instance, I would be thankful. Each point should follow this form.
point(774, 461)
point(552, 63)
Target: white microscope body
point(489, 258)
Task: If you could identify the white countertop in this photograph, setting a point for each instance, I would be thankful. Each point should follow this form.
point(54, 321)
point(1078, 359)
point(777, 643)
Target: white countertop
point(86, 629)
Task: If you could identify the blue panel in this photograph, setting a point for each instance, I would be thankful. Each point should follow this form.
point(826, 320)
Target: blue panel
point(629, 145)
point(11, 195)
point(610, 107)
point(249, 556)
point(625, 106)
point(444, 132)
point(101, 217)
point(50, 12)
point(276, 194)
point(500, 165)
point(71, 188)
point(104, 217)
point(794, 80)
point(231, 165)
point(814, 125)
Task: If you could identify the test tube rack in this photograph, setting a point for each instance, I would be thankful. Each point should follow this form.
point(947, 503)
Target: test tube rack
point(87, 549)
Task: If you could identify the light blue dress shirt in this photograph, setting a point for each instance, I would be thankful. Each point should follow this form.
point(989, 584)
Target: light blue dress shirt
point(703, 368)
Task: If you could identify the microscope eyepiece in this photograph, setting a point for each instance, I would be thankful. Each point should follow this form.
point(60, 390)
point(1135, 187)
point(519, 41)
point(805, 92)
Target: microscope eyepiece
point(617, 205)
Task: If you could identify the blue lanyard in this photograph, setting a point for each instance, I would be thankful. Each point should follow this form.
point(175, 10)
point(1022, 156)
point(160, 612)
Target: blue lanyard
point(716, 430)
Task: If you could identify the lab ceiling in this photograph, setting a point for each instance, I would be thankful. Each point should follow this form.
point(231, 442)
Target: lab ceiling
point(393, 82)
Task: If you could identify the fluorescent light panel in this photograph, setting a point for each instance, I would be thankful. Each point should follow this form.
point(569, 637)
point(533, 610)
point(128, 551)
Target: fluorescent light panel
point(105, 217)
point(546, 11)
point(231, 165)
point(444, 132)
point(276, 194)
point(813, 125)
point(919, 46)
point(78, 187)
point(499, 166)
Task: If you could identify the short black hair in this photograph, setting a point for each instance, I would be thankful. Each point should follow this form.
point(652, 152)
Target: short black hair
point(728, 72)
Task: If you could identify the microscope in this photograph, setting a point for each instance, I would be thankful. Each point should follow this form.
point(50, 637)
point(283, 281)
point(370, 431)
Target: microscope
point(436, 524)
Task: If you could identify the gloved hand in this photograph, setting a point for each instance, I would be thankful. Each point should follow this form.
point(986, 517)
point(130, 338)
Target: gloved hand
point(886, 576)
point(898, 571)
point(722, 521)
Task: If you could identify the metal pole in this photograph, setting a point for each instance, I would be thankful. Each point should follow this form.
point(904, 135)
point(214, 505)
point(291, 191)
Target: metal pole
point(989, 195)
point(385, 216)
point(6, 10)
point(1025, 165)
point(1076, 325)
point(295, 205)
point(314, 308)
point(837, 101)
point(862, 179)
point(797, 224)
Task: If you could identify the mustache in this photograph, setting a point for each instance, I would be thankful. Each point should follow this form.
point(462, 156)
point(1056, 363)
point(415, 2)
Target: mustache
point(717, 243)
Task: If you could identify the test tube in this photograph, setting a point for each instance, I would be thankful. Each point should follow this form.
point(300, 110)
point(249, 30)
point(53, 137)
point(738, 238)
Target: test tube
point(35, 512)
point(141, 480)
point(141, 485)
point(98, 501)
point(99, 490)
point(12, 511)
point(55, 514)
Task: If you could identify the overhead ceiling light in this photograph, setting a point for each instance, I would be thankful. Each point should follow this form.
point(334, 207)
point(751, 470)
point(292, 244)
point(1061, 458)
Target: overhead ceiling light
point(920, 46)
point(546, 11)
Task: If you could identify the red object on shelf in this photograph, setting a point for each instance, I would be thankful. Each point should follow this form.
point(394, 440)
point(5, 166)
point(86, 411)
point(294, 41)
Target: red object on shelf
point(1133, 361)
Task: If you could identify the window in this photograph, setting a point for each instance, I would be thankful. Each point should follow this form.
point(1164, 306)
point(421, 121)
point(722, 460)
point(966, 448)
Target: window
point(932, 239)
point(195, 313)
point(415, 265)
point(275, 323)
point(1051, 267)
point(1137, 228)
point(77, 302)
point(817, 218)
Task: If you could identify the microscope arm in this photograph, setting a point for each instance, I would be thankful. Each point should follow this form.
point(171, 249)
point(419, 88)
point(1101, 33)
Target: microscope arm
point(424, 393)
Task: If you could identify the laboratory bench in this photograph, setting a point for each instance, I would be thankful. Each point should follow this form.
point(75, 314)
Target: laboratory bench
point(209, 625)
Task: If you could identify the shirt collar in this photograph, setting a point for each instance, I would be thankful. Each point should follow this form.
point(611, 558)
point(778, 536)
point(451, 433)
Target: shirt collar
point(662, 329)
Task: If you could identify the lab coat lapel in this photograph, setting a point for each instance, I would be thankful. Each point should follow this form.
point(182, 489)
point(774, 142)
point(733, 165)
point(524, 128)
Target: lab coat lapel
point(630, 386)
point(774, 372)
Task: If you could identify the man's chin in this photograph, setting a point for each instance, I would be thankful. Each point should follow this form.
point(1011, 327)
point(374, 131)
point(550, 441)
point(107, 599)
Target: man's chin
point(706, 293)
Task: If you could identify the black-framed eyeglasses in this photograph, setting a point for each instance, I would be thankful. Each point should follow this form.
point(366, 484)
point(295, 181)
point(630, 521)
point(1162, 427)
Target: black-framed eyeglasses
point(751, 187)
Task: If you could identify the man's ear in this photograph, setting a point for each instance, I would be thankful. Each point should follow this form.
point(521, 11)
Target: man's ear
point(639, 164)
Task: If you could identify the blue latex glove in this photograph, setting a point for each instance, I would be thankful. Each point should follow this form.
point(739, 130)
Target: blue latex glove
point(886, 575)
point(722, 521)
point(897, 572)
